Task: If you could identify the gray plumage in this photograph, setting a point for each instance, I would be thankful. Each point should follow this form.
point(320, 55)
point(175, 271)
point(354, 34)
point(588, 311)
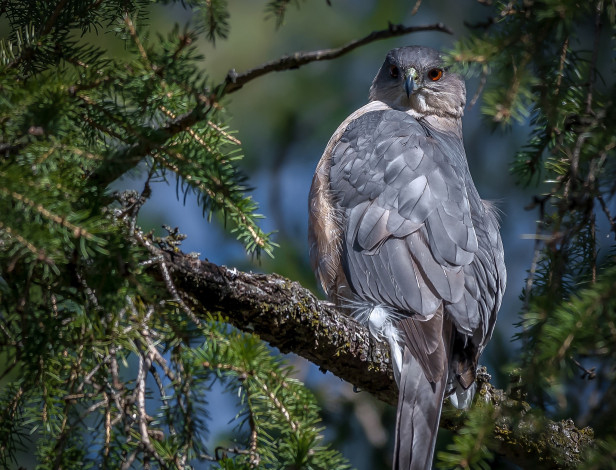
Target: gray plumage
point(400, 238)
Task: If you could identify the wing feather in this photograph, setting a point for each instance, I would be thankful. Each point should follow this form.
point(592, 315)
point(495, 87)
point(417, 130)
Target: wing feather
point(395, 184)
point(372, 229)
point(425, 341)
point(447, 281)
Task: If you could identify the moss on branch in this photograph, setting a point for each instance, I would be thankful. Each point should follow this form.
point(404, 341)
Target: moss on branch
point(292, 319)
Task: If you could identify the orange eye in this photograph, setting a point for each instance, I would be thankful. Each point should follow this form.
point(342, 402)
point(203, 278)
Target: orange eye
point(435, 74)
point(393, 71)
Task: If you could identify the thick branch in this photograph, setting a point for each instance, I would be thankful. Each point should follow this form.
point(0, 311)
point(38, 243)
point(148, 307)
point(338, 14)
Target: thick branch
point(288, 317)
point(235, 81)
point(292, 319)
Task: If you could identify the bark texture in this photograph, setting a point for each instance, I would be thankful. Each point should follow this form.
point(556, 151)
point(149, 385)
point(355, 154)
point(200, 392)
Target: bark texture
point(292, 319)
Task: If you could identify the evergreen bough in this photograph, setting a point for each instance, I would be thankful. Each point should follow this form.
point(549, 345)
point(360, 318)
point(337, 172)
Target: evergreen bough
point(104, 364)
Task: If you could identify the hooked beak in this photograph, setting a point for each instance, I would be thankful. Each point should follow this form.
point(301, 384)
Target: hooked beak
point(410, 81)
point(409, 86)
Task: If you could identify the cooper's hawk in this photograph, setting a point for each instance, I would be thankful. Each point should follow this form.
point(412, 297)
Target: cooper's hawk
point(400, 237)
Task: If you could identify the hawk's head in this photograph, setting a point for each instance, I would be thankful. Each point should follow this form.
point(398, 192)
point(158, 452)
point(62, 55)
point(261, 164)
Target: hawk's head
point(413, 78)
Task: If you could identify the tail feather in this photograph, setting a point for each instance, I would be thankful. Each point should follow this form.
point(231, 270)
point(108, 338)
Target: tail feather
point(419, 412)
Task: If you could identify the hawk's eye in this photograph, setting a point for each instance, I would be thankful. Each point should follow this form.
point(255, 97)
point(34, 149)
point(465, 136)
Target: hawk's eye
point(435, 74)
point(393, 71)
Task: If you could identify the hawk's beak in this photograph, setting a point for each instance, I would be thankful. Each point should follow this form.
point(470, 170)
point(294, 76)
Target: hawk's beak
point(409, 85)
point(410, 81)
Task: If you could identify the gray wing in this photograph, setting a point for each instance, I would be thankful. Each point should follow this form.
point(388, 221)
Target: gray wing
point(484, 285)
point(408, 233)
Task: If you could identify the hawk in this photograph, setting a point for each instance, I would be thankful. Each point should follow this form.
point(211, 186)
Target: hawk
point(400, 238)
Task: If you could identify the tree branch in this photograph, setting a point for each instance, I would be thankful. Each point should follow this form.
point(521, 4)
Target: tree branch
point(291, 318)
point(235, 81)
point(288, 317)
point(148, 139)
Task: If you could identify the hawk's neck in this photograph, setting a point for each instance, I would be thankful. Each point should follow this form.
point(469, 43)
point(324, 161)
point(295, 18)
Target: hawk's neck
point(446, 124)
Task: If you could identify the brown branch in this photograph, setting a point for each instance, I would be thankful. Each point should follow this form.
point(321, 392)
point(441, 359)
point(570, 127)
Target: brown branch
point(287, 316)
point(561, 66)
point(482, 83)
point(607, 213)
point(143, 143)
point(235, 81)
point(416, 8)
point(292, 319)
point(54, 16)
point(595, 53)
point(145, 362)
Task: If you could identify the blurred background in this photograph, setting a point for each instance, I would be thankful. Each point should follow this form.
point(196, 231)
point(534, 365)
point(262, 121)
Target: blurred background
point(284, 121)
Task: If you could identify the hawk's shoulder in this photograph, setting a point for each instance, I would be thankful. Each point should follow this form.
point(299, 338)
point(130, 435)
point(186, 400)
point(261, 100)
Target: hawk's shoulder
point(384, 123)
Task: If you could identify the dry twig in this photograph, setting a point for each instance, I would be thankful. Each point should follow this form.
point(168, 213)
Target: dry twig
point(235, 81)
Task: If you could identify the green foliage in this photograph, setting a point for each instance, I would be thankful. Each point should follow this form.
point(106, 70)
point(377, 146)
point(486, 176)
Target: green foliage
point(103, 365)
point(280, 415)
point(471, 445)
point(603, 457)
point(540, 62)
point(277, 9)
point(99, 359)
point(578, 318)
point(215, 17)
point(522, 47)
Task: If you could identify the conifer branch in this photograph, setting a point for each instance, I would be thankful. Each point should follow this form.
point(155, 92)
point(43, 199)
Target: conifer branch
point(54, 16)
point(131, 156)
point(39, 253)
point(235, 81)
point(47, 214)
point(289, 317)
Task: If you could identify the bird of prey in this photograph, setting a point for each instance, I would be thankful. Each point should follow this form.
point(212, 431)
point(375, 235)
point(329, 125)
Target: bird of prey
point(400, 238)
